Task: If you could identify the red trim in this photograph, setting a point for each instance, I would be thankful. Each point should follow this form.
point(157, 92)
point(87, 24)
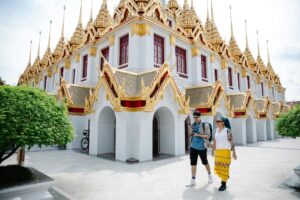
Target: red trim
point(248, 82)
point(262, 115)
point(110, 84)
point(133, 104)
point(217, 95)
point(239, 113)
point(239, 83)
point(159, 84)
point(76, 110)
point(105, 53)
point(216, 75)
point(204, 110)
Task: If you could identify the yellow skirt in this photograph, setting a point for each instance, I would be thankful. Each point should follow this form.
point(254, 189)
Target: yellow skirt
point(222, 163)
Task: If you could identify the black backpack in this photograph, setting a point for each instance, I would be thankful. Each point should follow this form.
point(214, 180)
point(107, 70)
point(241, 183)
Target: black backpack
point(210, 130)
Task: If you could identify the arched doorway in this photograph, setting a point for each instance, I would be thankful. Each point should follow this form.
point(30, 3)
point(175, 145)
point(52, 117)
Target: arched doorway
point(249, 130)
point(155, 150)
point(269, 134)
point(187, 131)
point(163, 136)
point(107, 134)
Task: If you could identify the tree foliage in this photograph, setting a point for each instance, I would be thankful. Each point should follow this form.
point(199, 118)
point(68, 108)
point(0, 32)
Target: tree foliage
point(288, 124)
point(30, 117)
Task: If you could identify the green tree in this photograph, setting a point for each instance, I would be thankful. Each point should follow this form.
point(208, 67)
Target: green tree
point(2, 82)
point(30, 117)
point(288, 124)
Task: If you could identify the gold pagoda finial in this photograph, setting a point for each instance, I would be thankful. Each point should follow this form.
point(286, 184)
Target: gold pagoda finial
point(29, 61)
point(104, 4)
point(212, 11)
point(269, 62)
point(91, 16)
point(231, 35)
point(63, 25)
point(258, 50)
point(49, 40)
point(207, 17)
point(80, 15)
point(186, 5)
point(247, 44)
point(192, 5)
point(38, 53)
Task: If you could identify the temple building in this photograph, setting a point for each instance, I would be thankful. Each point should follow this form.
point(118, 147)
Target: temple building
point(134, 78)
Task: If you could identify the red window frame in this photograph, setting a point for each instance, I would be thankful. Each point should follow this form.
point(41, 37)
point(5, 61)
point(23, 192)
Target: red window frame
point(61, 73)
point(45, 83)
point(230, 81)
point(216, 75)
point(73, 75)
point(262, 89)
point(239, 81)
point(159, 50)
point(248, 82)
point(105, 53)
point(84, 67)
point(123, 58)
point(204, 68)
point(181, 62)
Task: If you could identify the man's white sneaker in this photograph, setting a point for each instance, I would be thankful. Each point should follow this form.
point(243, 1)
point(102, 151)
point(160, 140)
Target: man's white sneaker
point(192, 183)
point(210, 178)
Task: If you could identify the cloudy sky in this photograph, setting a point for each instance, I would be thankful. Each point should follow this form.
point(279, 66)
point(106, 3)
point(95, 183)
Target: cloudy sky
point(276, 20)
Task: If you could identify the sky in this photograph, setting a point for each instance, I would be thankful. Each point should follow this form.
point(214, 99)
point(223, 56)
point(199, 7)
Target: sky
point(276, 20)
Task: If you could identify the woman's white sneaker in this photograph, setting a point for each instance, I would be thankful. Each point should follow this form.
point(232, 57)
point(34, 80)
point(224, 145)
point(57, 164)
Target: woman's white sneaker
point(192, 183)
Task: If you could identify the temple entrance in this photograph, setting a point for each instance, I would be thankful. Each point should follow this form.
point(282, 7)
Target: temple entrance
point(107, 134)
point(187, 131)
point(163, 134)
point(155, 150)
point(249, 131)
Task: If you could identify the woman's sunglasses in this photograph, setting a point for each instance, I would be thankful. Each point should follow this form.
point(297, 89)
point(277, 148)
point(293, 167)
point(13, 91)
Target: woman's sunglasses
point(219, 121)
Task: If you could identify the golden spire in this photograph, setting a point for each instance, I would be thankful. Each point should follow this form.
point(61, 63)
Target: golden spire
point(212, 11)
point(186, 5)
point(49, 40)
point(104, 4)
point(247, 45)
point(173, 5)
point(231, 35)
point(29, 60)
point(38, 53)
point(91, 15)
point(80, 15)
point(63, 25)
point(258, 50)
point(207, 17)
point(233, 47)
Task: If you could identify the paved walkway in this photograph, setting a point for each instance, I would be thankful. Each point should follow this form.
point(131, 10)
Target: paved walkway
point(257, 174)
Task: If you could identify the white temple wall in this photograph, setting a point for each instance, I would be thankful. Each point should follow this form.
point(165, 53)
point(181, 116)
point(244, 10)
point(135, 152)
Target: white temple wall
point(239, 131)
point(261, 130)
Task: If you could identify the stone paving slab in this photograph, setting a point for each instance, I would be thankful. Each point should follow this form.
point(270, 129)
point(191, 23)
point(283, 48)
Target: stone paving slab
point(257, 174)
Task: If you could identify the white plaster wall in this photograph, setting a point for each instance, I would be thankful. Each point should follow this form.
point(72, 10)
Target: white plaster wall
point(261, 130)
point(238, 126)
point(268, 126)
point(79, 123)
point(249, 131)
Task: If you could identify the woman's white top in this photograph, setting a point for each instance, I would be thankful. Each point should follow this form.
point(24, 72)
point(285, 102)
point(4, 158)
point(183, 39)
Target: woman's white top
point(222, 139)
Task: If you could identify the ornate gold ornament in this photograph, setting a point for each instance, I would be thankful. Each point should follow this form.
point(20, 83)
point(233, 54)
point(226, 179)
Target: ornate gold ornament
point(195, 51)
point(111, 40)
point(140, 29)
point(172, 40)
point(67, 63)
point(93, 51)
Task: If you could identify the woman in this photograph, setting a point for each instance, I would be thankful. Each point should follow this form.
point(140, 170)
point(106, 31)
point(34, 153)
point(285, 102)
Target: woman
point(223, 144)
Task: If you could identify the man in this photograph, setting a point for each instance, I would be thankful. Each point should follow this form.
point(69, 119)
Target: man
point(198, 147)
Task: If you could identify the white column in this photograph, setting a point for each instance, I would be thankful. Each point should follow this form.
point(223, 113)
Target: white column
point(239, 131)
